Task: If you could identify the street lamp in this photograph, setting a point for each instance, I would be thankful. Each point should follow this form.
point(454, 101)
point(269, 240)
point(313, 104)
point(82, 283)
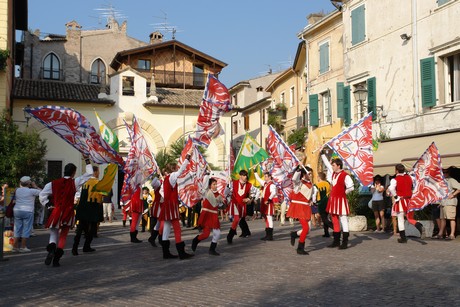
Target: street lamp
point(27, 116)
point(360, 94)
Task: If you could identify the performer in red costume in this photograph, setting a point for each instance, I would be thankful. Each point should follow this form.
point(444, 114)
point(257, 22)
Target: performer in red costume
point(169, 213)
point(300, 207)
point(242, 194)
point(401, 190)
point(155, 211)
point(209, 217)
point(337, 205)
point(267, 204)
point(137, 207)
point(62, 218)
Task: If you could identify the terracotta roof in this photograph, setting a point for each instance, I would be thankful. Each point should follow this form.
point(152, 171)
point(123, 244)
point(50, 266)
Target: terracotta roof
point(58, 91)
point(171, 97)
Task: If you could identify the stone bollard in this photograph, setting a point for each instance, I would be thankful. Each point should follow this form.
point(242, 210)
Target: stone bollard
point(357, 223)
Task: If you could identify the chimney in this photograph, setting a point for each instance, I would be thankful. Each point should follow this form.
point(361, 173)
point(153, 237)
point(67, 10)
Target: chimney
point(156, 37)
point(314, 18)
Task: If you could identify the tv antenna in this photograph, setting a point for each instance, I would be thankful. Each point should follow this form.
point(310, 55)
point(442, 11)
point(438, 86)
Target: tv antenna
point(164, 27)
point(109, 13)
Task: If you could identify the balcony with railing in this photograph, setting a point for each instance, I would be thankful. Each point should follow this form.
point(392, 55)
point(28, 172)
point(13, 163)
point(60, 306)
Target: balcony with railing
point(175, 79)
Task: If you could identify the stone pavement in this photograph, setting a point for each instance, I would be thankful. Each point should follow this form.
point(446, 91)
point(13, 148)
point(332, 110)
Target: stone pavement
point(374, 271)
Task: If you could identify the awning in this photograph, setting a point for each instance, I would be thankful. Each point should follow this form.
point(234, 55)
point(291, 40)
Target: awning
point(408, 150)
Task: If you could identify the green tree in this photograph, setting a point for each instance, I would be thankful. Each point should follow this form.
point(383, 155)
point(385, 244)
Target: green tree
point(22, 154)
point(163, 158)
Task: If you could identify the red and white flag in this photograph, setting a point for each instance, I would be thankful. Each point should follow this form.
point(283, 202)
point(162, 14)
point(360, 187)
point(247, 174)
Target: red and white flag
point(430, 184)
point(190, 183)
point(284, 163)
point(76, 130)
point(140, 164)
point(216, 101)
point(354, 147)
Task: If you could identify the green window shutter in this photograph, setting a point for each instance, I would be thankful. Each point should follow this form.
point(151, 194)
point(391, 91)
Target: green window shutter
point(372, 97)
point(358, 25)
point(441, 2)
point(314, 114)
point(428, 82)
point(324, 58)
point(346, 106)
point(340, 113)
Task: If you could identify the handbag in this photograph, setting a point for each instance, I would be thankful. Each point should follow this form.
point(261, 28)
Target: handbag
point(9, 210)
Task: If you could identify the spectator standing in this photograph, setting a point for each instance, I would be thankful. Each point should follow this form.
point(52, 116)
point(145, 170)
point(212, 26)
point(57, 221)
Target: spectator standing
point(24, 212)
point(378, 205)
point(107, 206)
point(449, 206)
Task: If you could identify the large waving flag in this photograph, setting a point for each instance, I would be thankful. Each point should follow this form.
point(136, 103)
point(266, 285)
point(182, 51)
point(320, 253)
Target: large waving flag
point(284, 163)
point(106, 183)
point(430, 184)
point(190, 183)
point(216, 101)
point(140, 164)
point(249, 156)
point(76, 130)
point(354, 147)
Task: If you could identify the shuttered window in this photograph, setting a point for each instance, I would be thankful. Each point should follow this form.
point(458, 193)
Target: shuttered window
point(346, 106)
point(340, 113)
point(358, 25)
point(371, 97)
point(428, 82)
point(324, 58)
point(313, 106)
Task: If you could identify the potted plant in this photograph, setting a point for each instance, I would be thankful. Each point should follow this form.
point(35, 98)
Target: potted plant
point(281, 109)
point(4, 55)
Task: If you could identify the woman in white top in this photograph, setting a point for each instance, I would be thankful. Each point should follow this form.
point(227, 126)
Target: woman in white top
point(24, 212)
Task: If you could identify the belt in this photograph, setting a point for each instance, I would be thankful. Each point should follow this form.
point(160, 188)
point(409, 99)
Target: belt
point(209, 210)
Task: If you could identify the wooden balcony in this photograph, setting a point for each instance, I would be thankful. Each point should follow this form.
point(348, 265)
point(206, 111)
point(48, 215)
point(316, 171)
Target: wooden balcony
point(175, 79)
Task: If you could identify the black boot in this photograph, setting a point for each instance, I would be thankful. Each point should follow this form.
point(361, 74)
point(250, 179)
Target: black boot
point(301, 250)
point(230, 235)
point(403, 238)
point(51, 248)
point(166, 254)
point(336, 241)
point(134, 237)
point(124, 223)
point(344, 244)
point(266, 235)
point(212, 249)
point(421, 229)
point(326, 230)
point(195, 243)
point(57, 256)
point(270, 234)
point(245, 232)
point(181, 250)
point(76, 242)
point(87, 247)
point(153, 237)
point(293, 237)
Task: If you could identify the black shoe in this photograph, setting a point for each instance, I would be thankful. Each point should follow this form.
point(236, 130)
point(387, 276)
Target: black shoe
point(166, 254)
point(301, 250)
point(212, 249)
point(230, 236)
point(293, 237)
point(51, 248)
point(57, 256)
point(75, 251)
point(181, 250)
point(344, 244)
point(134, 237)
point(195, 243)
point(88, 250)
point(336, 242)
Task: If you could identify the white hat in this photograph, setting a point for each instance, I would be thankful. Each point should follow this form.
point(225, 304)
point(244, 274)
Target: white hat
point(24, 179)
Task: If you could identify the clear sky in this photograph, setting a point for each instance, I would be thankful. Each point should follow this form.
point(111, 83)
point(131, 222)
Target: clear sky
point(251, 36)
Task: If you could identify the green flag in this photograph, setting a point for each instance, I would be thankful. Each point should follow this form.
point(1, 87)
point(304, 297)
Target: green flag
point(107, 134)
point(249, 155)
point(105, 184)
